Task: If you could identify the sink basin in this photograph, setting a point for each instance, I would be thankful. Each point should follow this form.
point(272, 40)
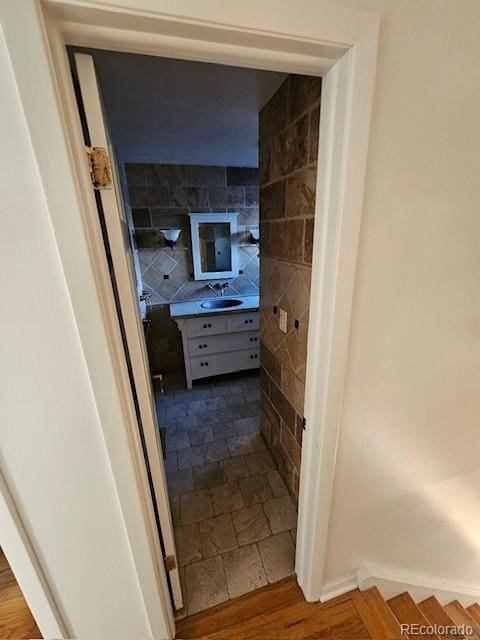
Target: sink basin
point(220, 303)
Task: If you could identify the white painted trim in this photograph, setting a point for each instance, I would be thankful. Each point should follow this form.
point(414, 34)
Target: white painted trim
point(24, 564)
point(390, 582)
point(338, 588)
point(340, 182)
point(344, 131)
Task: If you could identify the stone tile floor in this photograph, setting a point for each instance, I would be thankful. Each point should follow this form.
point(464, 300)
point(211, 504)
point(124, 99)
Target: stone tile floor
point(235, 523)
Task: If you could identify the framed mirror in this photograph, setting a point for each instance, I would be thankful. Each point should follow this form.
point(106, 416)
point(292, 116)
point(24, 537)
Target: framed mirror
point(214, 245)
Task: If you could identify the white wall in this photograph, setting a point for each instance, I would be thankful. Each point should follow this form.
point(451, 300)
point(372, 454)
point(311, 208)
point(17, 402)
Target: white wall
point(407, 485)
point(52, 450)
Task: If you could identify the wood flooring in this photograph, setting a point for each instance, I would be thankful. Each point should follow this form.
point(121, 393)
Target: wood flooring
point(279, 612)
point(16, 621)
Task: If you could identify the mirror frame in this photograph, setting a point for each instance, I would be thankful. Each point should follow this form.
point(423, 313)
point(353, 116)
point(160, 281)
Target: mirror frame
point(200, 218)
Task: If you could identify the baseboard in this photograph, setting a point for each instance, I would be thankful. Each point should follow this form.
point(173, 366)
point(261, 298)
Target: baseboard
point(338, 588)
point(390, 582)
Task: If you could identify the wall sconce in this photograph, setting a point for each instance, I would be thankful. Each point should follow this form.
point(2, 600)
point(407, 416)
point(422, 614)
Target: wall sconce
point(171, 236)
point(254, 235)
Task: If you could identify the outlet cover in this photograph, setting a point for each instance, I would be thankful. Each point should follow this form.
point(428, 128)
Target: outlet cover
point(283, 320)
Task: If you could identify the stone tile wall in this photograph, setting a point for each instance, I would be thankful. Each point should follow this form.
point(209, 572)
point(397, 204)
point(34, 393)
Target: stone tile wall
point(160, 197)
point(289, 126)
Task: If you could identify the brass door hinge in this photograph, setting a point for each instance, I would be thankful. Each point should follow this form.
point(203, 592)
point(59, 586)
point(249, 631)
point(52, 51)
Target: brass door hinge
point(100, 170)
point(170, 563)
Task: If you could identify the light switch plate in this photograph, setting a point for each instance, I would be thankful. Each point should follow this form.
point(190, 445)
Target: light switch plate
point(283, 320)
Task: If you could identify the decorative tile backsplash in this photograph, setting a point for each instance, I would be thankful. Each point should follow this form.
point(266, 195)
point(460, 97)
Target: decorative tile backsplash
point(161, 196)
point(289, 127)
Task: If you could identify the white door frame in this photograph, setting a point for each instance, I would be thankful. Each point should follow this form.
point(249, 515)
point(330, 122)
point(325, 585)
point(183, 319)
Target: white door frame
point(343, 50)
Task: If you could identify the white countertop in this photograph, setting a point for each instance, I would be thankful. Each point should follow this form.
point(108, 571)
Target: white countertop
point(194, 307)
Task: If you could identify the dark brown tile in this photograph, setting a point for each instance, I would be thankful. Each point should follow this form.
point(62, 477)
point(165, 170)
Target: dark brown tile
point(295, 486)
point(170, 175)
point(264, 161)
point(291, 446)
point(141, 218)
point(242, 176)
point(286, 468)
point(286, 239)
point(299, 429)
point(296, 146)
point(264, 380)
point(165, 217)
point(206, 175)
point(265, 238)
point(191, 197)
point(273, 116)
point(283, 407)
point(270, 362)
point(139, 174)
point(272, 201)
point(308, 242)
point(300, 193)
point(279, 155)
point(251, 196)
point(270, 414)
point(296, 345)
point(148, 196)
point(303, 93)
point(149, 239)
point(227, 196)
point(314, 134)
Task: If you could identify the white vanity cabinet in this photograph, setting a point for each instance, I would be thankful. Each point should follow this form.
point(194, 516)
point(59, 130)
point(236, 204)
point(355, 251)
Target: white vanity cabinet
point(220, 343)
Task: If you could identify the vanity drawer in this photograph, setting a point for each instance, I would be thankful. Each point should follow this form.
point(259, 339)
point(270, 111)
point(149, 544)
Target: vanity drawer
point(222, 343)
point(243, 322)
point(207, 326)
point(213, 365)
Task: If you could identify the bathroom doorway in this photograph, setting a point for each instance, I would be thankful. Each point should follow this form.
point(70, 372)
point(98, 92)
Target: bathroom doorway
point(230, 416)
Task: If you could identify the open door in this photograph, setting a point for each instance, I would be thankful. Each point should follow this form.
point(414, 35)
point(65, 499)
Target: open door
point(119, 254)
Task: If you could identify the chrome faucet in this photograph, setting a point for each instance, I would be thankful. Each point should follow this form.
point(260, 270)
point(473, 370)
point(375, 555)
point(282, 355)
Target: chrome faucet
point(217, 285)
